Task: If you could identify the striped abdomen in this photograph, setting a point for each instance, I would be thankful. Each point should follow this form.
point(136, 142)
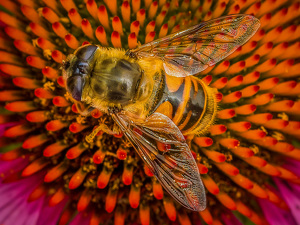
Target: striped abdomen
point(189, 103)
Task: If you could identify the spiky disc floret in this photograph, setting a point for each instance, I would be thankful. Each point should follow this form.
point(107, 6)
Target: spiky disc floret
point(256, 130)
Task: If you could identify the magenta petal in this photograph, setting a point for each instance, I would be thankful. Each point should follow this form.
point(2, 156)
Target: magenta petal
point(293, 166)
point(291, 194)
point(50, 215)
point(276, 215)
point(4, 126)
point(7, 167)
point(81, 219)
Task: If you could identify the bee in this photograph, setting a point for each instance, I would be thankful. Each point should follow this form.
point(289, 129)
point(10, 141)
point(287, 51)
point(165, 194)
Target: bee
point(155, 100)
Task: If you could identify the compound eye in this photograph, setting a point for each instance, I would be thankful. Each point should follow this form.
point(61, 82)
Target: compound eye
point(85, 52)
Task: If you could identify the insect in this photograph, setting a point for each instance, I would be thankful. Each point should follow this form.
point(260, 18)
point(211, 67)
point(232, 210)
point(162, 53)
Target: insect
point(154, 99)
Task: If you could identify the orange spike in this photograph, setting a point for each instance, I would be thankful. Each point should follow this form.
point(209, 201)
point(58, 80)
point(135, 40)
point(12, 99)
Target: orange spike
point(234, 9)
point(136, 4)
point(280, 106)
point(163, 31)
point(214, 155)
point(76, 151)
point(252, 60)
point(236, 53)
point(127, 174)
point(49, 15)
point(112, 6)
point(245, 109)
point(55, 172)
point(71, 41)
point(183, 218)
point(219, 9)
point(144, 212)
point(54, 149)
point(229, 142)
point(55, 125)
point(21, 106)
point(232, 97)
point(242, 152)
point(26, 83)
point(134, 196)
point(157, 190)
point(18, 130)
point(104, 177)
point(253, 9)
point(37, 116)
point(169, 208)
point(226, 200)
point(207, 79)
point(148, 171)
point(92, 8)
point(234, 82)
point(10, 20)
point(68, 4)
point(11, 155)
point(58, 197)
point(235, 68)
point(11, 95)
point(267, 65)
point(242, 181)
point(251, 77)
point(45, 44)
point(37, 193)
point(39, 30)
point(255, 161)
point(262, 99)
point(288, 34)
point(153, 9)
point(101, 36)
point(239, 126)
point(43, 93)
point(34, 167)
point(111, 200)
point(220, 83)
point(253, 134)
point(9, 58)
point(243, 209)
point(258, 191)
point(228, 168)
point(25, 47)
point(286, 174)
point(77, 127)
point(208, 16)
point(150, 37)
point(117, 25)
point(132, 41)
point(35, 141)
point(59, 29)
point(87, 28)
point(217, 129)
point(282, 69)
point(60, 101)
point(36, 62)
point(221, 68)
point(248, 47)
point(140, 16)
point(284, 88)
point(203, 141)
point(202, 168)
point(49, 72)
point(99, 156)
point(31, 13)
point(119, 217)
point(250, 91)
point(135, 27)
point(15, 70)
point(292, 128)
point(77, 178)
point(116, 40)
point(276, 124)
point(160, 18)
point(103, 17)
point(125, 11)
point(226, 114)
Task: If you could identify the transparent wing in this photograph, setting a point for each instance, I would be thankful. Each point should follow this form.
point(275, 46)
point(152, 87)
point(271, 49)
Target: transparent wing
point(191, 51)
point(161, 145)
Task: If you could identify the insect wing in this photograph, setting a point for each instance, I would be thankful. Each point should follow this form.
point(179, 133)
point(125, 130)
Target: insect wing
point(191, 51)
point(161, 145)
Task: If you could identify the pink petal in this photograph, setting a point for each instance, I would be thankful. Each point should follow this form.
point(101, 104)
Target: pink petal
point(276, 215)
point(291, 194)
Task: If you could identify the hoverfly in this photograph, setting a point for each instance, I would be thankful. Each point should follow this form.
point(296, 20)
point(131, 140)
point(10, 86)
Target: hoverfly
point(154, 99)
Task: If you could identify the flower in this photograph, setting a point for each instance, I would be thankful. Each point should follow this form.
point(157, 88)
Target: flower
point(51, 175)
